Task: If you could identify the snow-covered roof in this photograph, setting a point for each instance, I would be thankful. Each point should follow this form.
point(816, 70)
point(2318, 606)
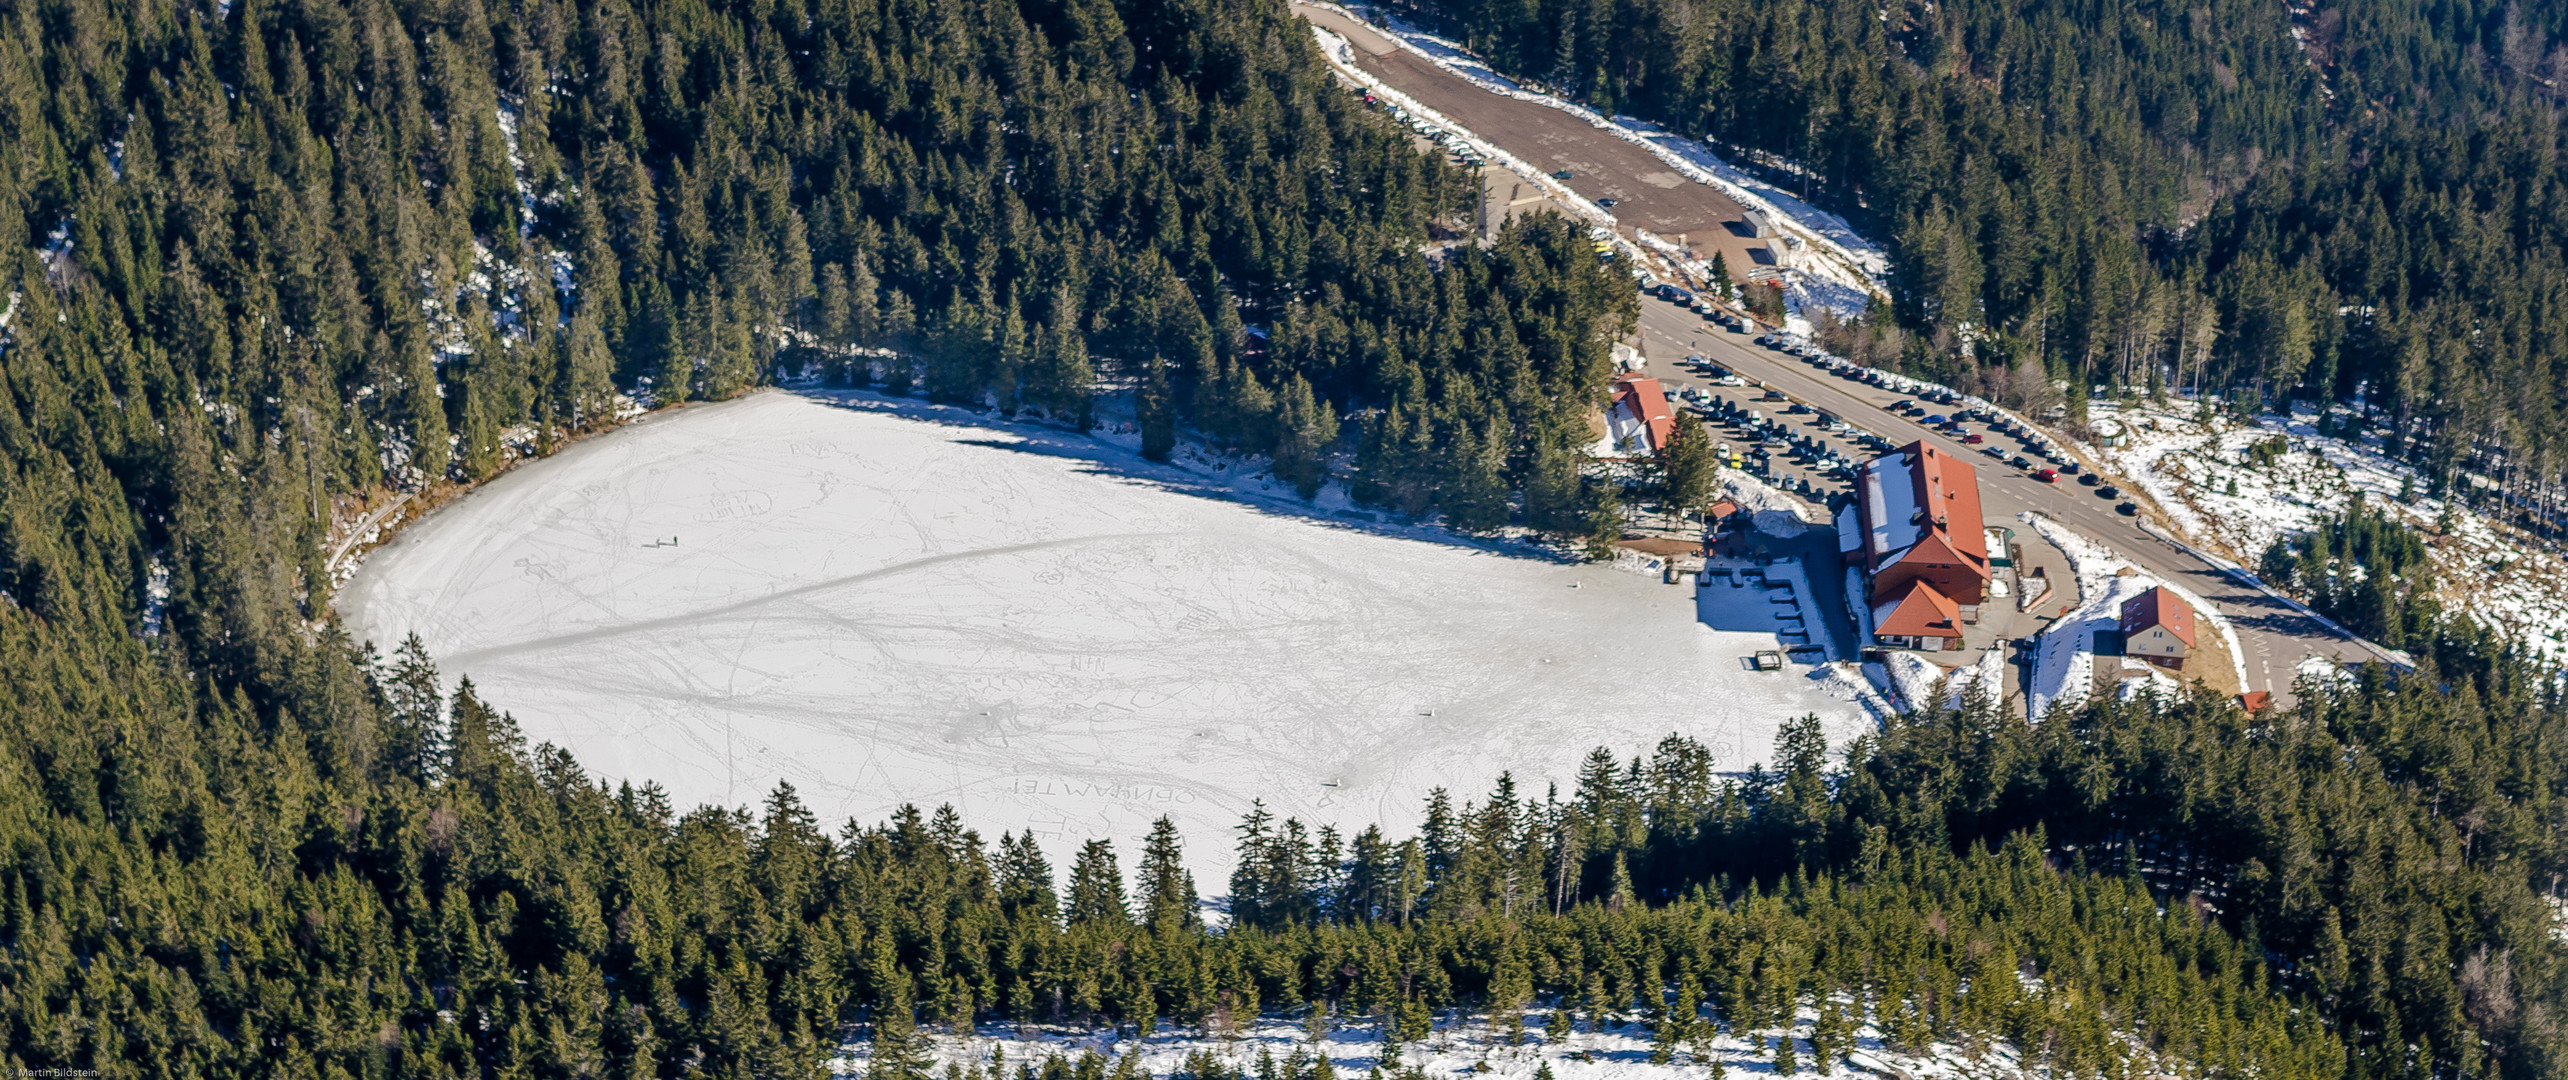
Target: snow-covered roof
point(1915, 493)
point(1889, 502)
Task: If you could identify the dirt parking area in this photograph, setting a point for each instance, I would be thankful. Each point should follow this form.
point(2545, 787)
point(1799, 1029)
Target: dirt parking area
point(1647, 193)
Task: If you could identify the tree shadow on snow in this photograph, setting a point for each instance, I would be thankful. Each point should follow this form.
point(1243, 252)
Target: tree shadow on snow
point(1204, 477)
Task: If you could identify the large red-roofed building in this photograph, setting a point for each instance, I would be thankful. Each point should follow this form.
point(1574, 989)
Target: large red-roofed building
point(1917, 520)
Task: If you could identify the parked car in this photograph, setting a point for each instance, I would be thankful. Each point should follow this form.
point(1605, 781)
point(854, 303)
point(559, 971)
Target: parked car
point(2071, 468)
point(1976, 440)
point(2108, 491)
point(1564, 174)
point(1605, 204)
point(2088, 479)
point(1994, 451)
point(1938, 420)
point(1897, 406)
point(2020, 462)
point(2045, 475)
point(2129, 509)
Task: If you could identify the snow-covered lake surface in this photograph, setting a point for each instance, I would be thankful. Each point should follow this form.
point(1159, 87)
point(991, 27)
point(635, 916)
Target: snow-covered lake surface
point(886, 602)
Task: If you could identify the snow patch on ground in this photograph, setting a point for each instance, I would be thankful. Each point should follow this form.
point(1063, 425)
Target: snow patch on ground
point(1988, 677)
point(2189, 463)
point(2064, 657)
point(2321, 672)
point(1920, 683)
point(884, 602)
point(1848, 681)
point(1459, 1046)
point(1913, 678)
point(1777, 512)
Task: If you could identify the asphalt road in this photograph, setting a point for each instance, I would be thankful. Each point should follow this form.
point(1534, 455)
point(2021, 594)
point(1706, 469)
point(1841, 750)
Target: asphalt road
point(2273, 636)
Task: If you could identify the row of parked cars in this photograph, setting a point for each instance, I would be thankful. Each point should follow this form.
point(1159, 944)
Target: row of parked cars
point(1711, 313)
point(1462, 151)
point(1774, 433)
point(2037, 456)
point(1950, 413)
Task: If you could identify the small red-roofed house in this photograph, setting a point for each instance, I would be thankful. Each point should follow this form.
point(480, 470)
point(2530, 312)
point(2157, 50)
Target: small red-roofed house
point(2158, 626)
point(1923, 618)
point(1638, 421)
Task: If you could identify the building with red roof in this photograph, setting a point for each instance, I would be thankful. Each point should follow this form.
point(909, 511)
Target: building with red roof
point(1638, 422)
point(1922, 618)
point(2158, 626)
point(1917, 519)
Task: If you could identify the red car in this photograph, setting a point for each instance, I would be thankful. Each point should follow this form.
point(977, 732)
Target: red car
point(1974, 438)
point(2045, 475)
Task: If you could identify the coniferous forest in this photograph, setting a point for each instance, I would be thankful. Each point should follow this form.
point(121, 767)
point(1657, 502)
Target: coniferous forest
point(280, 256)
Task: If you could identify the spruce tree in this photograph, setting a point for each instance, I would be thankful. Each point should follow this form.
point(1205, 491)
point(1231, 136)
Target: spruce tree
point(417, 746)
point(897, 1051)
point(1474, 493)
point(1096, 888)
point(1157, 411)
point(1685, 465)
point(1168, 891)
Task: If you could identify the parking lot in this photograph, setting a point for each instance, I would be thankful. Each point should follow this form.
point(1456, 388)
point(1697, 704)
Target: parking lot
point(1812, 451)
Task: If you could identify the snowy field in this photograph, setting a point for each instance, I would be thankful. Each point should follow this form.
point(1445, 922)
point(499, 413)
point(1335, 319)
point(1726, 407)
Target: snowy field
point(2188, 464)
point(886, 602)
point(1462, 1046)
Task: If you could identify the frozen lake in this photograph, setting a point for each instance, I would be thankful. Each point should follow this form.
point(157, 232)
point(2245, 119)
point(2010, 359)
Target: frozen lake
point(887, 602)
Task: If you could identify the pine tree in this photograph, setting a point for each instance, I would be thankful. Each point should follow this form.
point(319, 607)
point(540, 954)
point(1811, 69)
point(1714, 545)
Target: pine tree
point(1096, 888)
point(897, 1053)
point(588, 368)
point(1474, 493)
point(418, 743)
point(1158, 412)
point(1685, 465)
point(1168, 891)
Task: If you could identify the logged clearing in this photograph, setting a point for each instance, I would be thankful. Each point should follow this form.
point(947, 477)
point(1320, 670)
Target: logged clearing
point(887, 602)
